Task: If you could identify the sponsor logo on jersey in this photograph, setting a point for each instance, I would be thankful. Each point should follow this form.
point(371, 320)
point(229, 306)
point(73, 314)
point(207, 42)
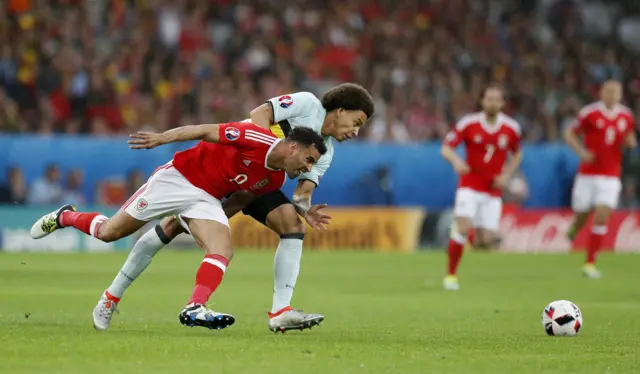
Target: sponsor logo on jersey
point(622, 125)
point(246, 162)
point(260, 184)
point(285, 101)
point(141, 205)
point(502, 141)
point(231, 133)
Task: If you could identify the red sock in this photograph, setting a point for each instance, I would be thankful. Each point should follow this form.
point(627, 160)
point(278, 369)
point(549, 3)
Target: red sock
point(595, 242)
point(88, 223)
point(456, 246)
point(208, 278)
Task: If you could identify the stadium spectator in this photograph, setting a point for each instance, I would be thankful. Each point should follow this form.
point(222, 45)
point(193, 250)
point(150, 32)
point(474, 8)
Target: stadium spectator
point(47, 189)
point(14, 189)
point(72, 193)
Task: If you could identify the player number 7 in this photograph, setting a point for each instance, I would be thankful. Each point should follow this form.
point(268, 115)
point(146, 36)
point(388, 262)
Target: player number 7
point(490, 149)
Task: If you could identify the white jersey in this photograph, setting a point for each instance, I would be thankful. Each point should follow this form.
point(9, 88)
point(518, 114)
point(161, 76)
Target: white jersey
point(302, 109)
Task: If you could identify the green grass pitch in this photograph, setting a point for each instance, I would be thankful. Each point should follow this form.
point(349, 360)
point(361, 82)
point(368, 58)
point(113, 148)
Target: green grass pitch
point(385, 313)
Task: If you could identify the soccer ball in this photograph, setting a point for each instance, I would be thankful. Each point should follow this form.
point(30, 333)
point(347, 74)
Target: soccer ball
point(562, 318)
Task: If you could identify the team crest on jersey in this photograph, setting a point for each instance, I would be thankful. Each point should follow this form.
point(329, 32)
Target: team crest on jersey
point(141, 205)
point(477, 139)
point(285, 101)
point(231, 133)
point(600, 123)
point(502, 141)
point(260, 184)
point(622, 125)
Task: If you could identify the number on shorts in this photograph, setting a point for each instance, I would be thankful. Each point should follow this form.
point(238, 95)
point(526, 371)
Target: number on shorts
point(239, 179)
point(490, 150)
point(610, 136)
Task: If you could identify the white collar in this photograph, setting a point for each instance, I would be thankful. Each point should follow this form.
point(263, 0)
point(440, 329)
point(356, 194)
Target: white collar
point(491, 128)
point(611, 114)
point(269, 152)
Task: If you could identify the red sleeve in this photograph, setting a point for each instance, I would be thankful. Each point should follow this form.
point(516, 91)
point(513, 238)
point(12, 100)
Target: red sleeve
point(453, 138)
point(581, 122)
point(515, 144)
point(245, 135)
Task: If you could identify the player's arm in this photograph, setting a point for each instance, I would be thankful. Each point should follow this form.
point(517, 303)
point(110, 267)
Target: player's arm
point(149, 140)
point(630, 141)
point(448, 152)
point(302, 196)
point(307, 183)
point(262, 115)
point(572, 138)
point(236, 202)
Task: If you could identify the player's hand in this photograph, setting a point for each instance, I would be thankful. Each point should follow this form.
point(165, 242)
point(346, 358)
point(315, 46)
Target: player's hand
point(145, 140)
point(500, 181)
point(316, 218)
point(461, 167)
point(586, 156)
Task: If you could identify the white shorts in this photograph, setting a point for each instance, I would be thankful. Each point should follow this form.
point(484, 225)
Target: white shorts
point(590, 191)
point(483, 209)
point(169, 193)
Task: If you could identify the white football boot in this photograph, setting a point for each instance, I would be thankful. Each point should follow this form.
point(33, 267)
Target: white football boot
point(103, 312)
point(199, 315)
point(451, 283)
point(293, 319)
point(590, 271)
point(48, 223)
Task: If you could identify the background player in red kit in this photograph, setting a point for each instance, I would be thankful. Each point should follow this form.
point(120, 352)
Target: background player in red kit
point(606, 127)
point(247, 158)
point(489, 136)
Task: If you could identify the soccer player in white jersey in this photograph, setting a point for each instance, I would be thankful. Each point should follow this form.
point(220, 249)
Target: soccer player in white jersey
point(339, 115)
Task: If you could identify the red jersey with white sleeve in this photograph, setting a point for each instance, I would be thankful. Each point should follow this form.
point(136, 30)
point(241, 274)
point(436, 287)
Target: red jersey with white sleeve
point(237, 163)
point(604, 134)
point(487, 147)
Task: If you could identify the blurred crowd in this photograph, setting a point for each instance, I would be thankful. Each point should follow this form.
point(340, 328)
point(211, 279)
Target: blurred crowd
point(112, 67)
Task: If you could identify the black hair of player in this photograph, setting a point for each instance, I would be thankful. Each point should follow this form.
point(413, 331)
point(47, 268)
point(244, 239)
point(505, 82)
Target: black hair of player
point(491, 86)
point(307, 137)
point(348, 96)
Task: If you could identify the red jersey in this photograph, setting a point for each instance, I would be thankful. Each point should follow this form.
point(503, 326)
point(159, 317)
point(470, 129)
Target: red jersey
point(604, 134)
point(237, 163)
point(487, 148)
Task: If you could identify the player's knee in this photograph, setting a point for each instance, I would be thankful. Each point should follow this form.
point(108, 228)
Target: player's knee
point(285, 220)
point(463, 226)
point(222, 249)
point(601, 216)
point(171, 227)
point(108, 233)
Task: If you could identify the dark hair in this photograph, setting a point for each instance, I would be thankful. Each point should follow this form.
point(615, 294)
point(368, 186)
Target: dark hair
point(307, 137)
point(349, 96)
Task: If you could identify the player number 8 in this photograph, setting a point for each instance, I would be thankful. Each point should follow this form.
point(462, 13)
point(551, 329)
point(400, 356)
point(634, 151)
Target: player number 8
point(490, 149)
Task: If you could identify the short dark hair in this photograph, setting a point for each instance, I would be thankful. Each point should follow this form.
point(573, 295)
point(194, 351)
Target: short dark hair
point(349, 96)
point(496, 87)
point(307, 137)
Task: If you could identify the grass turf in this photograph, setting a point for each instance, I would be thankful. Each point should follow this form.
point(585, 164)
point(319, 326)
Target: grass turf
point(385, 313)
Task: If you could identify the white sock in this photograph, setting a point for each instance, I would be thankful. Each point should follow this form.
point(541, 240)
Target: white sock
point(140, 257)
point(286, 267)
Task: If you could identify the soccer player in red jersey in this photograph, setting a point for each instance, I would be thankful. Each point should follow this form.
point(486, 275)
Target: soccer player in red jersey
point(606, 128)
point(231, 157)
point(489, 136)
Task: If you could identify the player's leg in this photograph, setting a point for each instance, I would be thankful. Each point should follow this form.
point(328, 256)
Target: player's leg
point(276, 212)
point(214, 237)
point(582, 196)
point(91, 223)
point(142, 253)
point(464, 212)
point(488, 226)
point(606, 199)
